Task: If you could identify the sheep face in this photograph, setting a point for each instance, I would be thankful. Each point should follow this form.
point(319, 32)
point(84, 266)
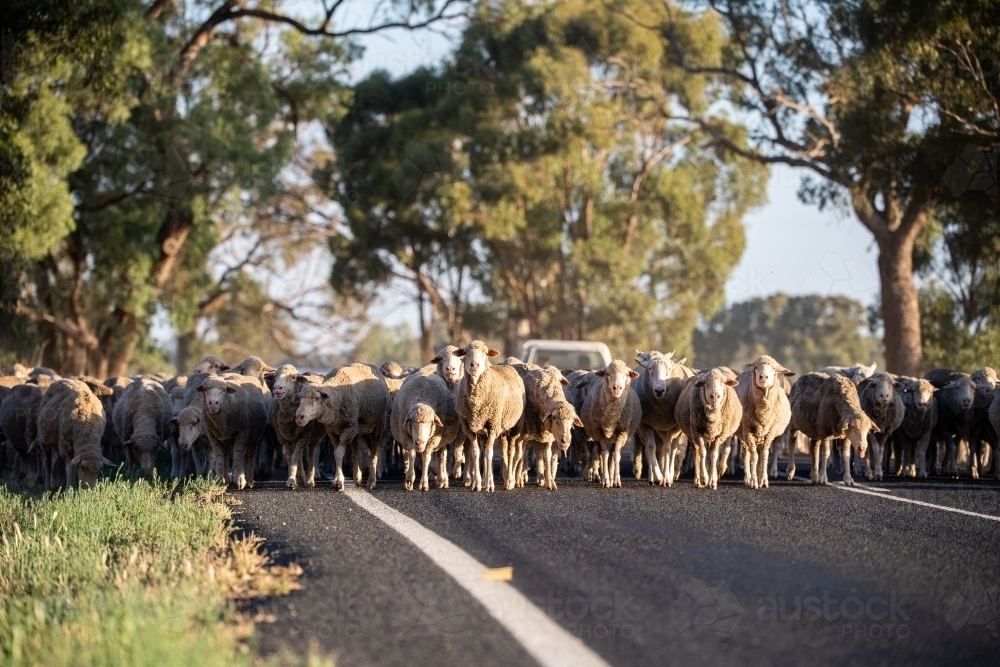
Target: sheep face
point(144, 447)
point(560, 424)
point(986, 380)
point(211, 364)
point(713, 388)
point(420, 424)
point(311, 404)
point(189, 429)
point(214, 392)
point(476, 357)
point(964, 391)
point(856, 432)
point(88, 467)
point(923, 392)
point(658, 367)
point(285, 380)
point(617, 377)
point(766, 371)
point(883, 387)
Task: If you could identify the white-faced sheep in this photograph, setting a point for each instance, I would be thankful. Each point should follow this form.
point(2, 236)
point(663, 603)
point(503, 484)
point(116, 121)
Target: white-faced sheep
point(910, 440)
point(880, 400)
point(611, 414)
point(424, 421)
point(70, 425)
point(450, 367)
point(709, 412)
point(142, 420)
point(235, 416)
point(490, 401)
point(956, 397)
point(351, 403)
point(191, 438)
point(766, 414)
point(548, 418)
point(825, 407)
point(299, 443)
point(658, 387)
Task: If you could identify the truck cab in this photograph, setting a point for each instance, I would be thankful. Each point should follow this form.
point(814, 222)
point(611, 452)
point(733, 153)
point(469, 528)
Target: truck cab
point(566, 354)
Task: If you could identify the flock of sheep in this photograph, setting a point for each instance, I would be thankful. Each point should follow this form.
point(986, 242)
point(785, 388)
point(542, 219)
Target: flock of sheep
point(253, 419)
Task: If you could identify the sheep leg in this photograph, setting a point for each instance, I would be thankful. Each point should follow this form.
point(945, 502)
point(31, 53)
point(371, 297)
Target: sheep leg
point(762, 467)
point(793, 442)
point(473, 466)
point(443, 467)
point(845, 453)
point(618, 461)
point(637, 452)
point(374, 452)
point(553, 467)
point(541, 464)
point(974, 458)
point(293, 454)
point(605, 473)
point(488, 483)
point(749, 466)
point(338, 458)
point(505, 455)
point(714, 451)
point(700, 473)
point(425, 459)
point(459, 456)
point(950, 458)
point(655, 473)
point(815, 447)
point(239, 454)
point(409, 468)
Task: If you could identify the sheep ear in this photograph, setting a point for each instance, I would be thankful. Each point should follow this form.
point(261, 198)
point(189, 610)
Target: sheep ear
point(300, 379)
point(325, 394)
point(875, 428)
point(492, 352)
point(435, 360)
point(682, 361)
point(632, 374)
point(437, 421)
point(548, 416)
point(787, 373)
point(269, 375)
point(898, 385)
point(172, 423)
point(459, 353)
point(76, 459)
point(733, 383)
point(106, 462)
point(671, 355)
point(599, 373)
point(699, 383)
point(750, 365)
point(162, 445)
point(577, 422)
point(874, 366)
point(563, 381)
point(200, 387)
point(230, 389)
point(268, 369)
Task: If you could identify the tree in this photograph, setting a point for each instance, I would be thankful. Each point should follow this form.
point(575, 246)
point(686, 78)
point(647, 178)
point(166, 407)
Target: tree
point(804, 333)
point(840, 89)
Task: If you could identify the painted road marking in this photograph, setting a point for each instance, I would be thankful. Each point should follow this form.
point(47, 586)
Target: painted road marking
point(885, 494)
point(544, 639)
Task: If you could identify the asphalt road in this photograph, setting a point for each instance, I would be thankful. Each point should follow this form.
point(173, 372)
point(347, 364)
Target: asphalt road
point(789, 575)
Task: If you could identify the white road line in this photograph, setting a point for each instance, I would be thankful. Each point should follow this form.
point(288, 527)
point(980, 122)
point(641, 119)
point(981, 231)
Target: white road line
point(885, 494)
point(544, 639)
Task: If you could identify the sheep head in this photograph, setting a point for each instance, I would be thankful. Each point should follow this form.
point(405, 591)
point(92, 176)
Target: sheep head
point(189, 427)
point(214, 390)
point(766, 371)
point(211, 364)
point(144, 448)
point(923, 393)
point(285, 381)
point(617, 377)
point(560, 422)
point(856, 429)
point(964, 392)
point(88, 467)
point(986, 382)
point(420, 423)
point(476, 356)
point(450, 364)
point(313, 401)
point(658, 367)
point(713, 387)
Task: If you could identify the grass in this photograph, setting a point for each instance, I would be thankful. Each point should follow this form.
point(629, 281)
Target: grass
point(130, 573)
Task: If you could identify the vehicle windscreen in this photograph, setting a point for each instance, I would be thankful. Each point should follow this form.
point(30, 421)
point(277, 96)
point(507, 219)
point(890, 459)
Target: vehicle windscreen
point(568, 360)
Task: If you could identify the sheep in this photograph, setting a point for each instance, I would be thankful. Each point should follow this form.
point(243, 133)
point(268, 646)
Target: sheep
point(351, 402)
point(658, 387)
point(855, 373)
point(235, 415)
point(955, 399)
point(784, 443)
point(19, 422)
point(142, 420)
point(17, 370)
point(299, 443)
point(450, 368)
point(708, 412)
point(253, 367)
point(611, 414)
point(766, 415)
point(910, 440)
point(881, 402)
point(586, 453)
point(980, 431)
point(211, 365)
point(994, 417)
point(825, 407)
point(490, 402)
point(548, 418)
point(191, 440)
point(70, 425)
point(424, 421)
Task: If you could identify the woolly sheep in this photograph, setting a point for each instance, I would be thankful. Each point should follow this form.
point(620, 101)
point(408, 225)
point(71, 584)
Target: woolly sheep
point(611, 414)
point(351, 403)
point(191, 439)
point(855, 373)
point(299, 443)
point(658, 387)
point(211, 365)
point(708, 412)
point(424, 421)
point(955, 399)
point(142, 420)
point(70, 425)
point(548, 418)
point(910, 440)
point(450, 368)
point(881, 402)
point(980, 432)
point(19, 422)
point(766, 415)
point(490, 402)
point(825, 407)
point(585, 452)
point(235, 416)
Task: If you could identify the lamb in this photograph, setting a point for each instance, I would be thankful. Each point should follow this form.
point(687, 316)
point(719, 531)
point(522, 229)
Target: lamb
point(70, 425)
point(424, 421)
point(351, 403)
point(142, 420)
point(235, 416)
point(881, 402)
point(211, 365)
point(490, 402)
point(825, 407)
point(611, 414)
point(299, 443)
point(855, 373)
point(658, 387)
point(19, 422)
point(910, 440)
point(766, 415)
point(955, 399)
point(708, 412)
point(548, 418)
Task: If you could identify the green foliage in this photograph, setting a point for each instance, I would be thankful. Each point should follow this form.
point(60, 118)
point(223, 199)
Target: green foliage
point(382, 343)
point(805, 333)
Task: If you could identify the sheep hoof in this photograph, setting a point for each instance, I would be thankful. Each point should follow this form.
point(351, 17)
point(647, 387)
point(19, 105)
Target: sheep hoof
point(291, 483)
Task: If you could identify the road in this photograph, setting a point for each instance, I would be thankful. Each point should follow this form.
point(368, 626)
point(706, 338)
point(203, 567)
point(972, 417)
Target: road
point(789, 575)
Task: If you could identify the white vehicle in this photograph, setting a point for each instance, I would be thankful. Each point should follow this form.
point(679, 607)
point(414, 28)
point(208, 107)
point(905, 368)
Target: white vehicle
point(566, 354)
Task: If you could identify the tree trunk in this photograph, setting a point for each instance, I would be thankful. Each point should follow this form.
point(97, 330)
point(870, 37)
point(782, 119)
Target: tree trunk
point(900, 307)
point(184, 352)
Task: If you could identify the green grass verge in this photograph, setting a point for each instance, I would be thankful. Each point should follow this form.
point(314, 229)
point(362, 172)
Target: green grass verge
point(129, 573)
